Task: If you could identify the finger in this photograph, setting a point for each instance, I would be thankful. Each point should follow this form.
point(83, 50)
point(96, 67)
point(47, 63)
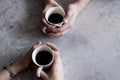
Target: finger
point(61, 29)
point(36, 45)
point(47, 25)
point(57, 61)
point(68, 15)
point(43, 75)
point(33, 47)
point(64, 27)
point(52, 35)
point(52, 46)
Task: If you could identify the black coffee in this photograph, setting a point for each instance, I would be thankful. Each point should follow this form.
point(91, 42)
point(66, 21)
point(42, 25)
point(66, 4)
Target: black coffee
point(43, 58)
point(55, 18)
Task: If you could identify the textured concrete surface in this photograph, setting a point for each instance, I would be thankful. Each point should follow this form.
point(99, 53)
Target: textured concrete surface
point(90, 51)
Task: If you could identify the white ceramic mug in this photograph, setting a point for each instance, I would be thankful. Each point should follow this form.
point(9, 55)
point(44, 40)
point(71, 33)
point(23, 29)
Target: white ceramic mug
point(51, 11)
point(34, 54)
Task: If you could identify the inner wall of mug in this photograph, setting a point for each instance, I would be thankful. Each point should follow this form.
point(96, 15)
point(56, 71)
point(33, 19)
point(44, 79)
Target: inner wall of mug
point(39, 49)
point(54, 10)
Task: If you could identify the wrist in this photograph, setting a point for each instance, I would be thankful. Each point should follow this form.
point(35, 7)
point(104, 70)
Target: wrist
point(80, 4)
point(77, 6)
point(15, 68)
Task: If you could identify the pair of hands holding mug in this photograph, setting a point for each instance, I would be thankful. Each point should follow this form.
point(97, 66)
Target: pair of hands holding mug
point(56, 71)
point(68, 20)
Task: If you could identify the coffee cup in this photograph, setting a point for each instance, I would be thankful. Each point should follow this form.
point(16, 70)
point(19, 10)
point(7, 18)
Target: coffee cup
point(42, 57)
point(54, 16)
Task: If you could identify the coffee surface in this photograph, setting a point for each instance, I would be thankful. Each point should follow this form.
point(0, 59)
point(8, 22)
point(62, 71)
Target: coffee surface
point(55, 18)
point(43, 58)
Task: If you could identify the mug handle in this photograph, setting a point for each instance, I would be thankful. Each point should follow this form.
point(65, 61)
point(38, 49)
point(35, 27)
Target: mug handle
point(57, 26)
point(39, 71)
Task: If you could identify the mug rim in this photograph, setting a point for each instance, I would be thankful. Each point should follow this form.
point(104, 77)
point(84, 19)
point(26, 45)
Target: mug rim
point(55, 8)
point(38, 49)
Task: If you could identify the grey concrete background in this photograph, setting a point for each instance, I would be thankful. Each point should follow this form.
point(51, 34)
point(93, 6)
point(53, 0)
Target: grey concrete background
point(90, 51)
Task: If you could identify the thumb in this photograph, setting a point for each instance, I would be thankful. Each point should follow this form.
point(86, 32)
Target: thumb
point(43, 75)
point(68, 15)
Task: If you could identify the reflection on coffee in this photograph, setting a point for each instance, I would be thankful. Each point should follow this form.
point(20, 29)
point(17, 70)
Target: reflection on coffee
point(55, 18)
point(44, 58)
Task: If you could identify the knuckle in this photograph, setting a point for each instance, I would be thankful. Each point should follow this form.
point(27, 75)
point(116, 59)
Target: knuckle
point(71, 5)
point(57, 55)
point(43, 20)
point(47, 42)
point(33, 47)
point(57, 35)
point(39, 42)
point(59, 30)
point(62, 34)
point(49, 26)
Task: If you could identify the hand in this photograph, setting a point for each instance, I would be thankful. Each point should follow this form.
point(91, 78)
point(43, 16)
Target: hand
point(24, 62)
point(69, 20)
point(49, 4)
point(56, 71)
